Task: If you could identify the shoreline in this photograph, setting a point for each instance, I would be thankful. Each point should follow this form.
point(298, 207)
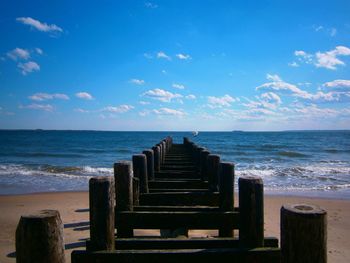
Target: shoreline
point(73, 208)
point(267, 193)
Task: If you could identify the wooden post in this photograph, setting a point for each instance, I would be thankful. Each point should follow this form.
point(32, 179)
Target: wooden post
point(164, 151)
point(139, 163)
point(251, 208)
point(101, 198)
point(204, 164)
point(213, 163)
point(226, 187)
point(39, 238)
point(160, 153)
point(136, 190)
point(194, 155)
point(156, 151)
point(198, 157)
point(165, 146)
point(303, 233)
point(124, 192)
point(150, 163)
point(186, 141)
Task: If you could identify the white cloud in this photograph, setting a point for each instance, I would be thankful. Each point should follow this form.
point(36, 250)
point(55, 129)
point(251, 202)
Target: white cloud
point(81, 110)
point(333, 31)
point(39, 25)
point(137, 81)
point(39, 51)
point(314, 111)
point(18, 53)
point(46, 96)
point(273, 77)
point(151, 5)
point(178, 86)
point(293, 64)
point(279, 85)
point(144, 102)
point(84, 95)
point(183, 56)
point(190, 97)
point(161, 95)
point(270, 100)
point(161, 54)
point(302, 56)
point(330, 58)
point(338, 83)
point(167, 111)
point(34, 106)
point(218, 102)
point(118, 109)
point(28, 67)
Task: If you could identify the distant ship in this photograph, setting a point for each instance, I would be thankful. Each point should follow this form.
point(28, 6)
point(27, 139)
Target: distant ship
point(194, 133)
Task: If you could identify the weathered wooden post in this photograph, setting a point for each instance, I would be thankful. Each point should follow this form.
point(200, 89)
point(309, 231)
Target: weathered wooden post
point(150, 163)
point(101, 199)
point(156, 152)
point(226, 180)
point(251, 209)
point(136, 190)
point(186, 141)
point(161, 153)
point(204, 163)
point(213, 163)
point(303, 233)
point(123, 177)
point(194, 155)
point(39, 238)
point(164, 151)
point(198, 157)
point(139, 163)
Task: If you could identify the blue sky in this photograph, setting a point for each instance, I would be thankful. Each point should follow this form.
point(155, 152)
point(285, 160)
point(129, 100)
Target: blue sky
point(175, 65)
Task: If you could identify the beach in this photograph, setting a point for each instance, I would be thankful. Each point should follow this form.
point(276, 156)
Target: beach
point(73, 208)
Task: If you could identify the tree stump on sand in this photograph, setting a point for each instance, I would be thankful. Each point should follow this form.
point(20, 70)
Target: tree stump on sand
point(39, 238)
point(303, 233)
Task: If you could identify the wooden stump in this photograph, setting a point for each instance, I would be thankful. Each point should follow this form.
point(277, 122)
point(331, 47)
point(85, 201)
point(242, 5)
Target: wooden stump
point(150, 163)
point(101, 198)
point(226, 180)
point(39, 238)
point(136, 190)
point(213, 164)
point(139, 163)
point(204, 164)
point(156, 151)
point(124, 192)
point(303, 233)
point(251, 207)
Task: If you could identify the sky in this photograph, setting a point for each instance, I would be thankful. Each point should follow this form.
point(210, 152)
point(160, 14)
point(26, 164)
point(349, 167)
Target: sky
point(175, 65)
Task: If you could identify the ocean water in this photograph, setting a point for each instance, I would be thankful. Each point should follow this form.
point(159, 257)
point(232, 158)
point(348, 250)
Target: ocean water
point(313, 163)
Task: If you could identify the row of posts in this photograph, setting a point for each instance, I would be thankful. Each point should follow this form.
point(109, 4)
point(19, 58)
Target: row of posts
point(130, 180)
point(220, 177)
point(39, 237)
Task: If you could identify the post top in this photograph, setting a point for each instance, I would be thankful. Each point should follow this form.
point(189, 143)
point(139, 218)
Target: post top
point(42, 214)
point(250, 178)
point(304, 209)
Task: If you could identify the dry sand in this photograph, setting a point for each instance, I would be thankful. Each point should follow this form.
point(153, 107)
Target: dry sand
point(73, 209)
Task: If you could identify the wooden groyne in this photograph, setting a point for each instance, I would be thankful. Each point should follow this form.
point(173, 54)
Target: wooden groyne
point(176, 188)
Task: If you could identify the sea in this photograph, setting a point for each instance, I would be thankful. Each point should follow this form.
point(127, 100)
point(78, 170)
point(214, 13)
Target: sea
point(307, 163)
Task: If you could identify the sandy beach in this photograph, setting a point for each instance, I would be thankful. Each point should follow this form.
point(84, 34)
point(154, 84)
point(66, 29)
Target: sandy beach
point(73, 209)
